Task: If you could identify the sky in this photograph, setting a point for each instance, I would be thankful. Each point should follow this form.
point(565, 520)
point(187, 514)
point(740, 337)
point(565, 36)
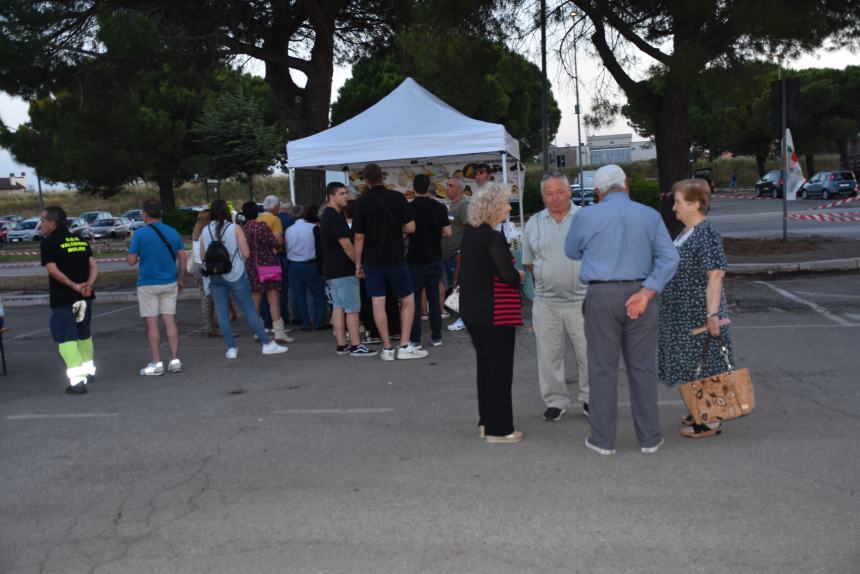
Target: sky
point(13, 111)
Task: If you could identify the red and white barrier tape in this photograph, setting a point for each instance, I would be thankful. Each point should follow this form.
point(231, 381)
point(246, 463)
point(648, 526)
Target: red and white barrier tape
point(832, 217)
point(837, 203)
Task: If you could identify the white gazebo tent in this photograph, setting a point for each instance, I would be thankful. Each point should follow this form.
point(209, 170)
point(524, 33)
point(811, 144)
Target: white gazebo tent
point(408, 127)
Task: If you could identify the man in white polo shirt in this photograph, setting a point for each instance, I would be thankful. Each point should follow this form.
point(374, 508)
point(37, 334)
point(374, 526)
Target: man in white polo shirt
point(559, 293)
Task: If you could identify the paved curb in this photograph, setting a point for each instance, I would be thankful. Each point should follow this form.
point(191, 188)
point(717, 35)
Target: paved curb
point(823, 265)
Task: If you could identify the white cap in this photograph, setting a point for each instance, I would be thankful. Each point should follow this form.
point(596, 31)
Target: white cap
point(607, 176)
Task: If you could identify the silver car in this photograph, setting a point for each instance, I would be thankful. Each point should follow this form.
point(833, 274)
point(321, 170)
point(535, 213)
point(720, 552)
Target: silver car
point(27, 230)
point(110, 228)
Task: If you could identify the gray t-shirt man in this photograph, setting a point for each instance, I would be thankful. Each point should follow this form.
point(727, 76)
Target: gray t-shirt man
point(559, 293)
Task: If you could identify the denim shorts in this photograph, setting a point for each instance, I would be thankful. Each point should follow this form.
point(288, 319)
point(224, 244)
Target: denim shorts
point(399, 278)
point(343, 292)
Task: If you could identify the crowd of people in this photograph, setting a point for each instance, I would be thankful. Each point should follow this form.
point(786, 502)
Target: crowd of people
point(381, 261)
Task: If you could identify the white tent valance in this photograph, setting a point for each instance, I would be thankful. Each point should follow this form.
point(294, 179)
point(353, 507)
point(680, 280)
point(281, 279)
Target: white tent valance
point(409, 126)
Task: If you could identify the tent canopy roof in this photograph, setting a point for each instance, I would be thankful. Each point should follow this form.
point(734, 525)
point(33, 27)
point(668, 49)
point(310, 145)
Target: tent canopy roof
point(409, 126)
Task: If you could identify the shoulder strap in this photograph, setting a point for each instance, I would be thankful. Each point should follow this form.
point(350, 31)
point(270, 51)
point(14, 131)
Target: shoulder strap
point(384, 207)
point(163, 240)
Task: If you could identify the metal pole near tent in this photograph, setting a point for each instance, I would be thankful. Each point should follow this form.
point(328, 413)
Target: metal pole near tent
point(505, 167)
point(292, 173)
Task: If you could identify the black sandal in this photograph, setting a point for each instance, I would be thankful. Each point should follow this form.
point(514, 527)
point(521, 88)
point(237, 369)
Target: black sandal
point(687, 420)
point(700, 431)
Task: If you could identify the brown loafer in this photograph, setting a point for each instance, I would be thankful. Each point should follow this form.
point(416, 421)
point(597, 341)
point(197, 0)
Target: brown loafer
point(512, 438)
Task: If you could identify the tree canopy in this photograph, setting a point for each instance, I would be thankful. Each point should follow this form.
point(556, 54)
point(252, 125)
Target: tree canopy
point(684, 38)
point(43, 44)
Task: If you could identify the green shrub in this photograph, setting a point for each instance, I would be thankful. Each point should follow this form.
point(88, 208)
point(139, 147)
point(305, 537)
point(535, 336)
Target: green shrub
point(645, 191)
point(532, 202)
point(181, 220)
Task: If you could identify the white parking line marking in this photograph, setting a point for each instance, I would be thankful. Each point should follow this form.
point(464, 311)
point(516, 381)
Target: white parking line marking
point(61, 416)
point(106, 313)
point(853, 316)
point(332, 411)
point(831, 295)
point(815, 307)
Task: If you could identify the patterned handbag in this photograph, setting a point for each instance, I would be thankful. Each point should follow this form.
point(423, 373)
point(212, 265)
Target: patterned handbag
point(721, 397)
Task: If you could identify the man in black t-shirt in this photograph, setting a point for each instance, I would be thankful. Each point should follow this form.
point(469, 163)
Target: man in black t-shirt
point(72, 271)
point(381, 218)
point(425, 257)
point(338, 266)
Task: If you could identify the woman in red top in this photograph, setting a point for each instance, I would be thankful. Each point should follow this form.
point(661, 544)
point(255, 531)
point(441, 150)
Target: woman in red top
point(490, 306)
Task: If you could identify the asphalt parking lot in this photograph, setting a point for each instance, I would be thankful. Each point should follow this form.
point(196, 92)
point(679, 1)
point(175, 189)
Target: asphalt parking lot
point(311, 462)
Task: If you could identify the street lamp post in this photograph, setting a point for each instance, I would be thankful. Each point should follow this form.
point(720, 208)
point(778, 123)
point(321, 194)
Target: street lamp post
point(576, 86)
point(544, 107)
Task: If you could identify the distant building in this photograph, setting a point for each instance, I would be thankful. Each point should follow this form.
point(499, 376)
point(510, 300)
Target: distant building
point(13, 183)
point(601, 150)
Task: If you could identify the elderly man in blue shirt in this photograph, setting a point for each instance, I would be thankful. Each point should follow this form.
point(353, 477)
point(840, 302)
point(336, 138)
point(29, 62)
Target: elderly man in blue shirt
point(627, 258)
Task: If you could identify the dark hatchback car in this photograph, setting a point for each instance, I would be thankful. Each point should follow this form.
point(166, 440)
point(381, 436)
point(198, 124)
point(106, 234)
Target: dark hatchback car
point(827, 184)
point(770, 185)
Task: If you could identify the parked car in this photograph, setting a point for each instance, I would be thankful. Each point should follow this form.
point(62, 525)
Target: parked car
point(827, 184)
point(27, 230)
point(705, 173)
point(80, 228)
point(581, 197)
point(12, 218)
point(91, 216)
point(5, 226)
point(770, 185)
point(110, 228)
point(135, 218)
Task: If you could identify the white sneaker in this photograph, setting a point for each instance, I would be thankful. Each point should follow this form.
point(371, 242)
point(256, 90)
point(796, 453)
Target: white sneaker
point(175, 366)
point(598, 450)
point(437, 343)
point(652, 449)
point(457, 325)
point(153, 370)
point(232, 353)
point(272, 348)
point(387, 354)
point(410, 351)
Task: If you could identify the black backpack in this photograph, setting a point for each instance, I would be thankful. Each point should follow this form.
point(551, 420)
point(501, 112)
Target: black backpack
point(217, 260)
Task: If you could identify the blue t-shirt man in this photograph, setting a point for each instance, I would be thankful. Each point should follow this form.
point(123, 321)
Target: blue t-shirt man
point(157, 266)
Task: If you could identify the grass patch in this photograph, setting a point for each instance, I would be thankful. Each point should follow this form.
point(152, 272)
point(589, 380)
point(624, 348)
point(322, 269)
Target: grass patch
point(107, 281)
point(26, 203)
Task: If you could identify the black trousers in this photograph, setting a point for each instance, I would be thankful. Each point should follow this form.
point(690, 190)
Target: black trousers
point(494, 347)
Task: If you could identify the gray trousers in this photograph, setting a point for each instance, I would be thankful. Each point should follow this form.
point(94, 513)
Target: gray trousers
point(609, 333)
point(553, 322)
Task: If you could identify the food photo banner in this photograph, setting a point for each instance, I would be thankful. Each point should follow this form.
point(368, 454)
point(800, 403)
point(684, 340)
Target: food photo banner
point(400, 178)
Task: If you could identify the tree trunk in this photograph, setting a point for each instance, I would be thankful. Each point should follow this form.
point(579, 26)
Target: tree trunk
point(165, 192)
point(760, 158)
point(810, 164)
point(305, 111)
point(842, 147)
point(673, 150)
point(251, 187)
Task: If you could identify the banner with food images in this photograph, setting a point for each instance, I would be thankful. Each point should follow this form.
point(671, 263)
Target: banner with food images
point(400, 178)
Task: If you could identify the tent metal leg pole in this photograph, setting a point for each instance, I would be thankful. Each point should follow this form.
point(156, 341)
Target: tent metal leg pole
point(505, 167)
point(292, 185)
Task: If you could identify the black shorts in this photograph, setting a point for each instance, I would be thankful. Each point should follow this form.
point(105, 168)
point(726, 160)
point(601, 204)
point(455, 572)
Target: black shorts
point(64, 328)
